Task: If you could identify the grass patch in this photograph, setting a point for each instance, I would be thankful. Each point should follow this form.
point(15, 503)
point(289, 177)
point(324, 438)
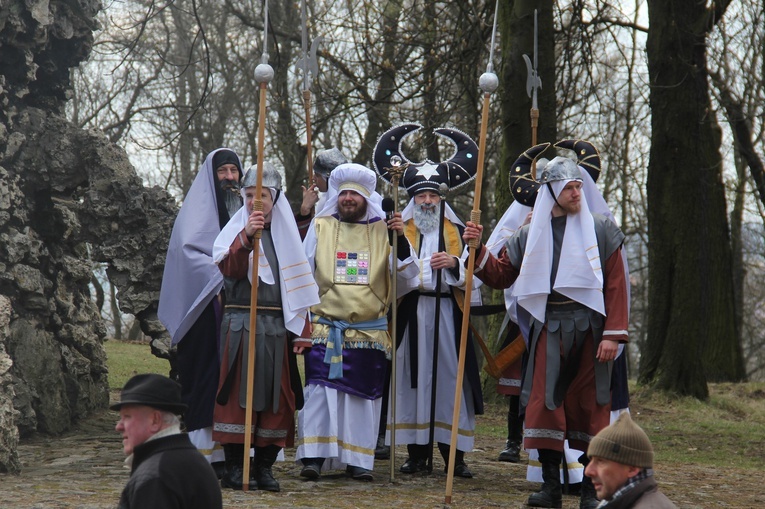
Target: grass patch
point(726, 430)
point(126, 359)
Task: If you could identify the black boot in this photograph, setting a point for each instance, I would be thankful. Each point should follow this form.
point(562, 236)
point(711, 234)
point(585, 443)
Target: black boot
point(264, 460)
point(417, 460)
point(382, 451)
point(460, 467)
point(219, 467)
point(233, 468)
point(588, 497)
point(512, 452)
point(550, 495)
point(311, 468)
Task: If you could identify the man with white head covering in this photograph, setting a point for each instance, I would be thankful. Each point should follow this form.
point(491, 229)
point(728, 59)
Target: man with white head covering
point(572, 471)
point(348, 248)
point(325, 162)
point(189, 303)
point(425, 183)
point(569, 277)
point(286, 289)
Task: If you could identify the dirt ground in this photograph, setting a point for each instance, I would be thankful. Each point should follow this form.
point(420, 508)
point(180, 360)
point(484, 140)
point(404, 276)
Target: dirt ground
point(83, 469)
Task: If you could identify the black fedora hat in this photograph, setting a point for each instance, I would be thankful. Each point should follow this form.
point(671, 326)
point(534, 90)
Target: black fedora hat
point(152, 390)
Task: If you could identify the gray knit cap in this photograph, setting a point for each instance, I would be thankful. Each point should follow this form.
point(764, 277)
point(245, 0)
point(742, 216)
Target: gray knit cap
point(623, 442)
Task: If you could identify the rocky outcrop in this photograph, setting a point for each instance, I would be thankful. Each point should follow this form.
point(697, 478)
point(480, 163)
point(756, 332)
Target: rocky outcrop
point(9, 458)
point(68, 200)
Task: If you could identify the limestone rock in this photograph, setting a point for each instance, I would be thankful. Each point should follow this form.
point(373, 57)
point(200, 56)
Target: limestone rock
point(69, 200)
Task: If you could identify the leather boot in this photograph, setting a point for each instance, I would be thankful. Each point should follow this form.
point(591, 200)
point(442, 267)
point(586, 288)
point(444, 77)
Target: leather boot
point(512, 452)
point(550, 495)
point(417, 460)
point(460, 467)
point(588, 497)
point(233, 468)
point(311, 468)
point(264, 460)
point(382, 451)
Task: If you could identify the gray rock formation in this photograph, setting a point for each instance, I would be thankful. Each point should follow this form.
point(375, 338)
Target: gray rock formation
point(68, 200)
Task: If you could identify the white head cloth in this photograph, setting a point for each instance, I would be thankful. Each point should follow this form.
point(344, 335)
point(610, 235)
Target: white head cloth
point(356, 178)
point(298, 288)
point(511, 220)
point(579, 276)
point(191, 278)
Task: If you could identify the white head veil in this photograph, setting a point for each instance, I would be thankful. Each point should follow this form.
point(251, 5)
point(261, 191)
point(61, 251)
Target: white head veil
point(579, 276)
point(298, 288)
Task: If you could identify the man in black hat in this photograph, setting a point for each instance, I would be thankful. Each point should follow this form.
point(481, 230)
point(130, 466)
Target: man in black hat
point(416, 342)
point(432, 295)
point(166, 470)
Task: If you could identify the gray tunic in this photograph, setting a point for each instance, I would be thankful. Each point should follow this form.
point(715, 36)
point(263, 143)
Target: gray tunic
point(270, 337)
point(567, 322)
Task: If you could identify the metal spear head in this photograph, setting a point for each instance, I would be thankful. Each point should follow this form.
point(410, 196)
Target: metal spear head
point(532, 81)
point(309, 63)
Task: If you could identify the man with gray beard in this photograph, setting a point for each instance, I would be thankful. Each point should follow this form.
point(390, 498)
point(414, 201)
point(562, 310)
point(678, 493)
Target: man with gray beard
point(416, 330)
point(190, 299)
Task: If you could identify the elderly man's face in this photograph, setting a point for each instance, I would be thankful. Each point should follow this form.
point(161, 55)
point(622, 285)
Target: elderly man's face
point(427, 199)
point(608, 476)
point(137, 423)
point(351, 206)
point(426, 211)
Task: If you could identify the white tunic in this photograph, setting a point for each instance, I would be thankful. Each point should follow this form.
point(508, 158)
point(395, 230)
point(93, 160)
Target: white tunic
point(413, 405)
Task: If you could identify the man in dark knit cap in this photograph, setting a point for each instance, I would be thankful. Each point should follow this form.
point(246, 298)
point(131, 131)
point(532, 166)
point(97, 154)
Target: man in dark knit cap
point(166, 470)
point(621, 467)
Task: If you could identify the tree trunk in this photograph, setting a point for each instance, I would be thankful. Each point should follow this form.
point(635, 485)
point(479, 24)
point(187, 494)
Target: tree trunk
point(516, 19)
point(516, 26)
point(691, 315)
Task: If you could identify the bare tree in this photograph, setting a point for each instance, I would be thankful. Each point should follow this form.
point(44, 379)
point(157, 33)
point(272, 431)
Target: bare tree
point(691, 317)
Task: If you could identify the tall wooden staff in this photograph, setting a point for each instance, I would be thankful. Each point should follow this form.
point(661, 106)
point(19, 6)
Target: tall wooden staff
point(310, 68)
point(264, 73)
point(395, 174)
point(488, 83)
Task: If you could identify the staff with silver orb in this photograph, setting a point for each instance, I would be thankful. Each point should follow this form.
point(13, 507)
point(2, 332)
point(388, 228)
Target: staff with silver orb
point(264, 73)
point(488, 83)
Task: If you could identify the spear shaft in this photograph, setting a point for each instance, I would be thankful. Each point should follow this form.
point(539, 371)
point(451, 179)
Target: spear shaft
point(264, 73)
point(488, 83)
point(307, 94)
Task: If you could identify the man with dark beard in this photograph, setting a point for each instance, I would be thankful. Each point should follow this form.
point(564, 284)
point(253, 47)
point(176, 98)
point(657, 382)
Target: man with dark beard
point(190, 296)
point(348, 248)
point(416, 330)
